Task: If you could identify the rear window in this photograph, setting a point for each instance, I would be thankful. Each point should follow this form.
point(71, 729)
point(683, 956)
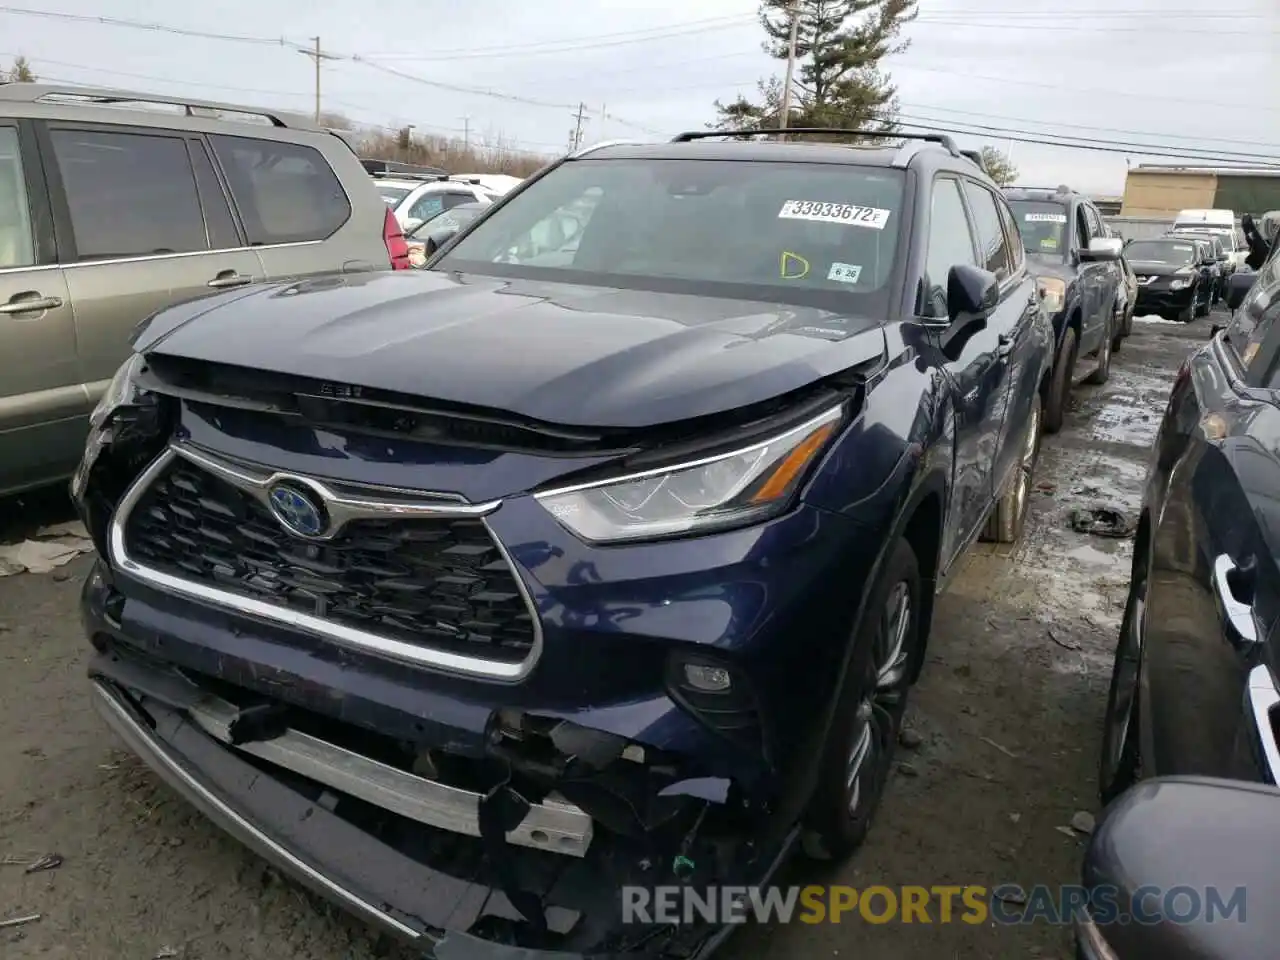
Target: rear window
point(1043, 225)
point(392, 196)
point(129, 194)
point(286, 192)
point(1161, 251)
point(806, 233)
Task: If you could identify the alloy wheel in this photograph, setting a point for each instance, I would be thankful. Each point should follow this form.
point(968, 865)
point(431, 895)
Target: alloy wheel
point(1026, 468)
point(879, 714)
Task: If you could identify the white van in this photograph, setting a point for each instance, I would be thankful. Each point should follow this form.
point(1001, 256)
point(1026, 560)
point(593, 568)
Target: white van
point(1219, 222)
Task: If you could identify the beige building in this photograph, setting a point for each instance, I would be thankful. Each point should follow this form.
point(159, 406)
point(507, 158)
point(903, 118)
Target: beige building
point(1158, 191)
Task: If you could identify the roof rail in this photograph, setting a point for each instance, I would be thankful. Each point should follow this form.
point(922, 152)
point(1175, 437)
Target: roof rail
point(605, 143)
point(107, 96)
point(975, 156)
point(406, 171)
point(939, 138)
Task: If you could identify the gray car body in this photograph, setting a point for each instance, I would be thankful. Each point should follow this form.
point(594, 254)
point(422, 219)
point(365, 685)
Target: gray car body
point(57, 358)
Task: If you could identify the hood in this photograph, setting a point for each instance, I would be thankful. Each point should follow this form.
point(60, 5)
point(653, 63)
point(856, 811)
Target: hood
point(557, 353)
point(1147, 268)
point(1039, 265)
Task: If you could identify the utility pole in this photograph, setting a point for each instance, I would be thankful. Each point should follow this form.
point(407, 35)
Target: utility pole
point(791, 66)
point(577, 127)
point(317, 55)
point(466, 133)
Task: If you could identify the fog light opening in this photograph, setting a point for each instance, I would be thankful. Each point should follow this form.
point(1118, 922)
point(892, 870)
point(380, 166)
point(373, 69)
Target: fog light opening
point(707, 679)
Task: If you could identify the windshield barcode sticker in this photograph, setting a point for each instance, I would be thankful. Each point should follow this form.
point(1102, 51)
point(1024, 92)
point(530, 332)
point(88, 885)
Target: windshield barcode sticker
point(1045, 218)
point(849, 213)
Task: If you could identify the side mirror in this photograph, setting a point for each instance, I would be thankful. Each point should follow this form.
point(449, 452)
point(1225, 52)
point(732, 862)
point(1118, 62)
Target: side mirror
point(1238, 287)
point(439, 238)
point(972, 293)
point(1102, 249)
point(1148, 897)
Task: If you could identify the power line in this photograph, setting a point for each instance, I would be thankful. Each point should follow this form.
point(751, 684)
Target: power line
point(1024, 136)
point(577, 43)
point(1063, 28)
point(147, 25)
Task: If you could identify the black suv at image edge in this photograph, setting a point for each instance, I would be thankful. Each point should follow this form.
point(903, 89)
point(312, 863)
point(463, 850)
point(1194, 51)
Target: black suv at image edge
point(1076, 264)
point(469, 594)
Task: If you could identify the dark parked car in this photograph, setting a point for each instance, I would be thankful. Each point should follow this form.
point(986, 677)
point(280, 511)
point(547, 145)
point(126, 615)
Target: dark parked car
point(1193, 689)
point(1214, 257)
point(1175, 277)
point(470, 594)
point(1074, 259)
point(1179, 869)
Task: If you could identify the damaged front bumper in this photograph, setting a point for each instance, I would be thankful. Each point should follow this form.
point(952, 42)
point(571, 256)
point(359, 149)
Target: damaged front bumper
point(409, 852)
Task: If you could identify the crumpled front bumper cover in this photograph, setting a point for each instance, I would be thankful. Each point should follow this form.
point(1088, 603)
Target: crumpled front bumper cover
point(306, 841)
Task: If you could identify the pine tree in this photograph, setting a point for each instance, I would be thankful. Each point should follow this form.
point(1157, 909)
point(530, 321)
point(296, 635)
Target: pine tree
point(21, 72)
point(839, 47)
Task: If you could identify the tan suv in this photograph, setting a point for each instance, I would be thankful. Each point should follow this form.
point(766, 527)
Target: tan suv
point(115, 204)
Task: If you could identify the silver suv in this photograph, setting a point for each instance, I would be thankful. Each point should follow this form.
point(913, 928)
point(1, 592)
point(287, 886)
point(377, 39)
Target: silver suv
point(115, 204)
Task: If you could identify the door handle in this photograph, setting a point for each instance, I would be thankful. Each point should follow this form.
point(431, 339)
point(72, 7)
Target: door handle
point(229, 278)
point(1004, 345)
point(1237, 617)
point(30, 303)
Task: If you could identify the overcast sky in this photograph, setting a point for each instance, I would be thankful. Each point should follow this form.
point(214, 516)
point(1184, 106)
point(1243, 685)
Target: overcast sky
point(1142, 71)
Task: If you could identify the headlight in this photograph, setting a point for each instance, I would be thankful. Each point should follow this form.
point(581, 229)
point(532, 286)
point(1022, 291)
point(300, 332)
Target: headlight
point(1186, 270)
point(1053, 293)
point(119, 391)
point(1179, 284)
point(731, 489)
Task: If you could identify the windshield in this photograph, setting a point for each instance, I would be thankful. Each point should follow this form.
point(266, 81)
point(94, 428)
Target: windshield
point(1043, 225)
point(454, 219)
point(393, 195)
point(803, 233)
point(1161, 251)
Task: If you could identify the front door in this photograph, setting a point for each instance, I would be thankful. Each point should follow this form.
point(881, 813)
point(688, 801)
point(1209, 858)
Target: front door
point(972, 363)
point(42, 406)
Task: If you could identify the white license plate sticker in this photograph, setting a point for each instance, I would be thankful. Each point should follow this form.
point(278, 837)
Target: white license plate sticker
point(844, 272)
point(1045, 218)
point(847, 213)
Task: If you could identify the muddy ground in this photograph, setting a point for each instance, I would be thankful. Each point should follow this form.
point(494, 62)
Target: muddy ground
point(1008, 714)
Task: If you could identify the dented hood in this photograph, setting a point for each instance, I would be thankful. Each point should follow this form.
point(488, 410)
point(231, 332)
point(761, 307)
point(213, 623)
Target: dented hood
point(558, 353)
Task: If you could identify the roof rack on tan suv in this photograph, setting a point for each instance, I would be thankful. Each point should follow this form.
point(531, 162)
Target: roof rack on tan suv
point(110, 97)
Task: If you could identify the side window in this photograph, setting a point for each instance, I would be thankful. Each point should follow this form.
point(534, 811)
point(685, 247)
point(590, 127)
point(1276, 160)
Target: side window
point(451, 200)
point(217, 215)
point(1095, 222)
point(130, 194)
point(1011, 232)
point(1082, 228)
point(991, 241)
point(427, 206)
point(285, 192)
point(17, 244)
point(1252, 323)
point(950, 244)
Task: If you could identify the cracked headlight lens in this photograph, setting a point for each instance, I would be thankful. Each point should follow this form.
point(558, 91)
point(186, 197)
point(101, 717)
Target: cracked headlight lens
point(118, 393)
point(732, 489)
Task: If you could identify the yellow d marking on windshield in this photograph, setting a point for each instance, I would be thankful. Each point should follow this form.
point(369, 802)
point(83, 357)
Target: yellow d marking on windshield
point(792, 266)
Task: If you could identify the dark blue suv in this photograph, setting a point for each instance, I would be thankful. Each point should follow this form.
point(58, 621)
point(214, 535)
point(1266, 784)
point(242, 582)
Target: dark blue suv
point(601, 552)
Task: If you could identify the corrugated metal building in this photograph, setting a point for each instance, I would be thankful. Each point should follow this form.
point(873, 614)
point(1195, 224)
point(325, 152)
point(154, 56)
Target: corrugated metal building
point(1157, 190)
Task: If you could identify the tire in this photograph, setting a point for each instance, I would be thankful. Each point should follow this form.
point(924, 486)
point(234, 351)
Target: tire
point(1188, 314)
point(1128, 321)
point(1103, 373)
point(1009, 515)
point(1202, 310)
point(1120, 761)
point(868, 716)
point(1064, 365)
point(1117, 330)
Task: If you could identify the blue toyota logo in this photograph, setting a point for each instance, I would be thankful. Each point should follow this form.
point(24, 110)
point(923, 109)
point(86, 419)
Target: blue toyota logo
point(296, 511)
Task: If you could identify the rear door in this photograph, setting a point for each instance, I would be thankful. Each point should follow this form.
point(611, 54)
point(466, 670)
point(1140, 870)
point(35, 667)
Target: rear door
point(1213, 596)
point(42, 406)
point(1011, 325)
point(290, 202)
point(142, 224)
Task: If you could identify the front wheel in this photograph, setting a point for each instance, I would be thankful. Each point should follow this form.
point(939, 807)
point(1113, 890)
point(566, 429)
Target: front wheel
point(864, 731)
point(1103, 372)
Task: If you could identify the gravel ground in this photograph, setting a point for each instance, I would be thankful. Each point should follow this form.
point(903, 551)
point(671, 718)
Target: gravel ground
point(1007, 715)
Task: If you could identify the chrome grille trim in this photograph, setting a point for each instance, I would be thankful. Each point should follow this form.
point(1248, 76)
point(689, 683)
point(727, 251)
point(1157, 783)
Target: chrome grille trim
point(349, 508)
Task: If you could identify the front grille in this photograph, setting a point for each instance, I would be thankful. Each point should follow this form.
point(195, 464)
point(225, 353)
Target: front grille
point(440, 583)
